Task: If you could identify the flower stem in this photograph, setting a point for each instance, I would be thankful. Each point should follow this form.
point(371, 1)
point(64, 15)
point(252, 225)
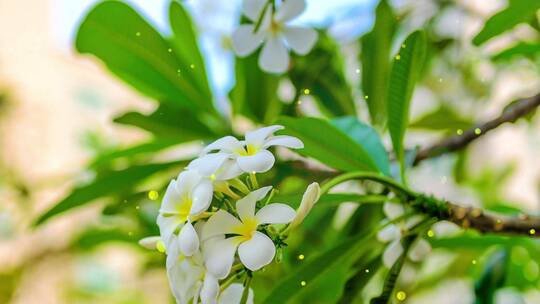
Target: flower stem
point(253, 179)
point(390, 183)
point(245, 293)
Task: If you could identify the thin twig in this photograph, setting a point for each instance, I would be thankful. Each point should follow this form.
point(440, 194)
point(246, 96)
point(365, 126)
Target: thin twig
point(511, 113)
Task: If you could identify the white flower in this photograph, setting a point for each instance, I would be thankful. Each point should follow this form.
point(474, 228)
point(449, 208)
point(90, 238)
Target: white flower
point(255, 249)
point(184, 199)
point(274, 32)
point(392, 233)
point(188, 278)
point(310, 197)
point(218, 167)
point(251, 155)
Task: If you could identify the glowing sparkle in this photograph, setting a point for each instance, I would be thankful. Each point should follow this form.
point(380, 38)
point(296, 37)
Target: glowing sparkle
point(357, 71)
point(459, 132)
point(401, 295)
point(430, 233)
point(138, 34)
point(130, 233)
point(303, 283)
point(137, 207)
point(477, 131)
point(473, 262)
point(367, 270)
point(532, 231)
point(301, 257)
point(153, 195)
point(306, 91)
point(366, 97)
point(398, 57)
point(169, 50)
point(403, 46)
point(192, 66)
point(299, 102)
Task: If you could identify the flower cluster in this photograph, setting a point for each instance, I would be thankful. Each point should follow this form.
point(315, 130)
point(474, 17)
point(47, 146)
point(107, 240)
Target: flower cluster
point(270, 27)
point(215, 223)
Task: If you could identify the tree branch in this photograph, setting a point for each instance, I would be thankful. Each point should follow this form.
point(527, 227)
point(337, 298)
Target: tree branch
point(511, 113)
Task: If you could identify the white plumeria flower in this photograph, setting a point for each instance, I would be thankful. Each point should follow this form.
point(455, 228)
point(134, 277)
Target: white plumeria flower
point(255, 249)
point(185, 199)
point(218, 167)
point(393, 233)
point(274, 32)
point(251, 155)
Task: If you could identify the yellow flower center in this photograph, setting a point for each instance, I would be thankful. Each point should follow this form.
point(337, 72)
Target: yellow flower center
point(248, 151)
point(246, 229)
point(184, 208)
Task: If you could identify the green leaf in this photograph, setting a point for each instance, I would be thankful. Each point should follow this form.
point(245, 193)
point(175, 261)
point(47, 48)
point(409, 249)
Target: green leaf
point(111, 183)
point(368, 138)
point(97, 236)
point(442, 119)
point(405, 73)
point(345, 252)
point(186, 46)
point(492, 278)
point(517, 11)
point(170, 122)
point(375, 59)
point(328, 144)
point(321, 72)
point(522, 49)
point(255, 92)
point(145, 148)
point(134, 51)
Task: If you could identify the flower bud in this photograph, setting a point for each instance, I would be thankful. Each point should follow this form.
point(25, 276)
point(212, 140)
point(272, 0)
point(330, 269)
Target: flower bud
point(310, 197)
point(150, 242)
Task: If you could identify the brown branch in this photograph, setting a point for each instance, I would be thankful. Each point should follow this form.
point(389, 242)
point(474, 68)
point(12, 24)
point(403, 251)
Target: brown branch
point(511, 113)
point(489, 222)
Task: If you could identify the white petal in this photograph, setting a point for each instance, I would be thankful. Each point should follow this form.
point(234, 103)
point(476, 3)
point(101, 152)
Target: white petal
point(419, 250)
point(275, 214)
point(246, 205)
point(389, 233)
point(210, 289)
point(300, 39)
point(188, 240)
point(412, 221)
point(253, 8)
point(393, 210)
point(202, 197)
point(274, 57)
point(219, 256)
point(290, 9)
point(257, 252)
point(258, 137)
point(285, 141)
point(208, 164)
point(225, 144)
point(221, 223)
point(184, 281)
point(261, 161)
point(170, 199)
point(173, 253)
point(245, 41)
point(187, 181)
point(228, 170)
point(233, 295)
point(392, 253)
point(167, 225)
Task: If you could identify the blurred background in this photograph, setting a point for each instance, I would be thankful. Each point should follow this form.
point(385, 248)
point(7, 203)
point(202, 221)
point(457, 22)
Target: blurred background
point(56, 111)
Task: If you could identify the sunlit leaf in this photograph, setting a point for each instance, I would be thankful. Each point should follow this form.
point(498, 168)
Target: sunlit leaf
point(375, 60)
point(517, 11)
point(522, 49)
point(328, 144)
point(442, 119)
point(405, 73)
